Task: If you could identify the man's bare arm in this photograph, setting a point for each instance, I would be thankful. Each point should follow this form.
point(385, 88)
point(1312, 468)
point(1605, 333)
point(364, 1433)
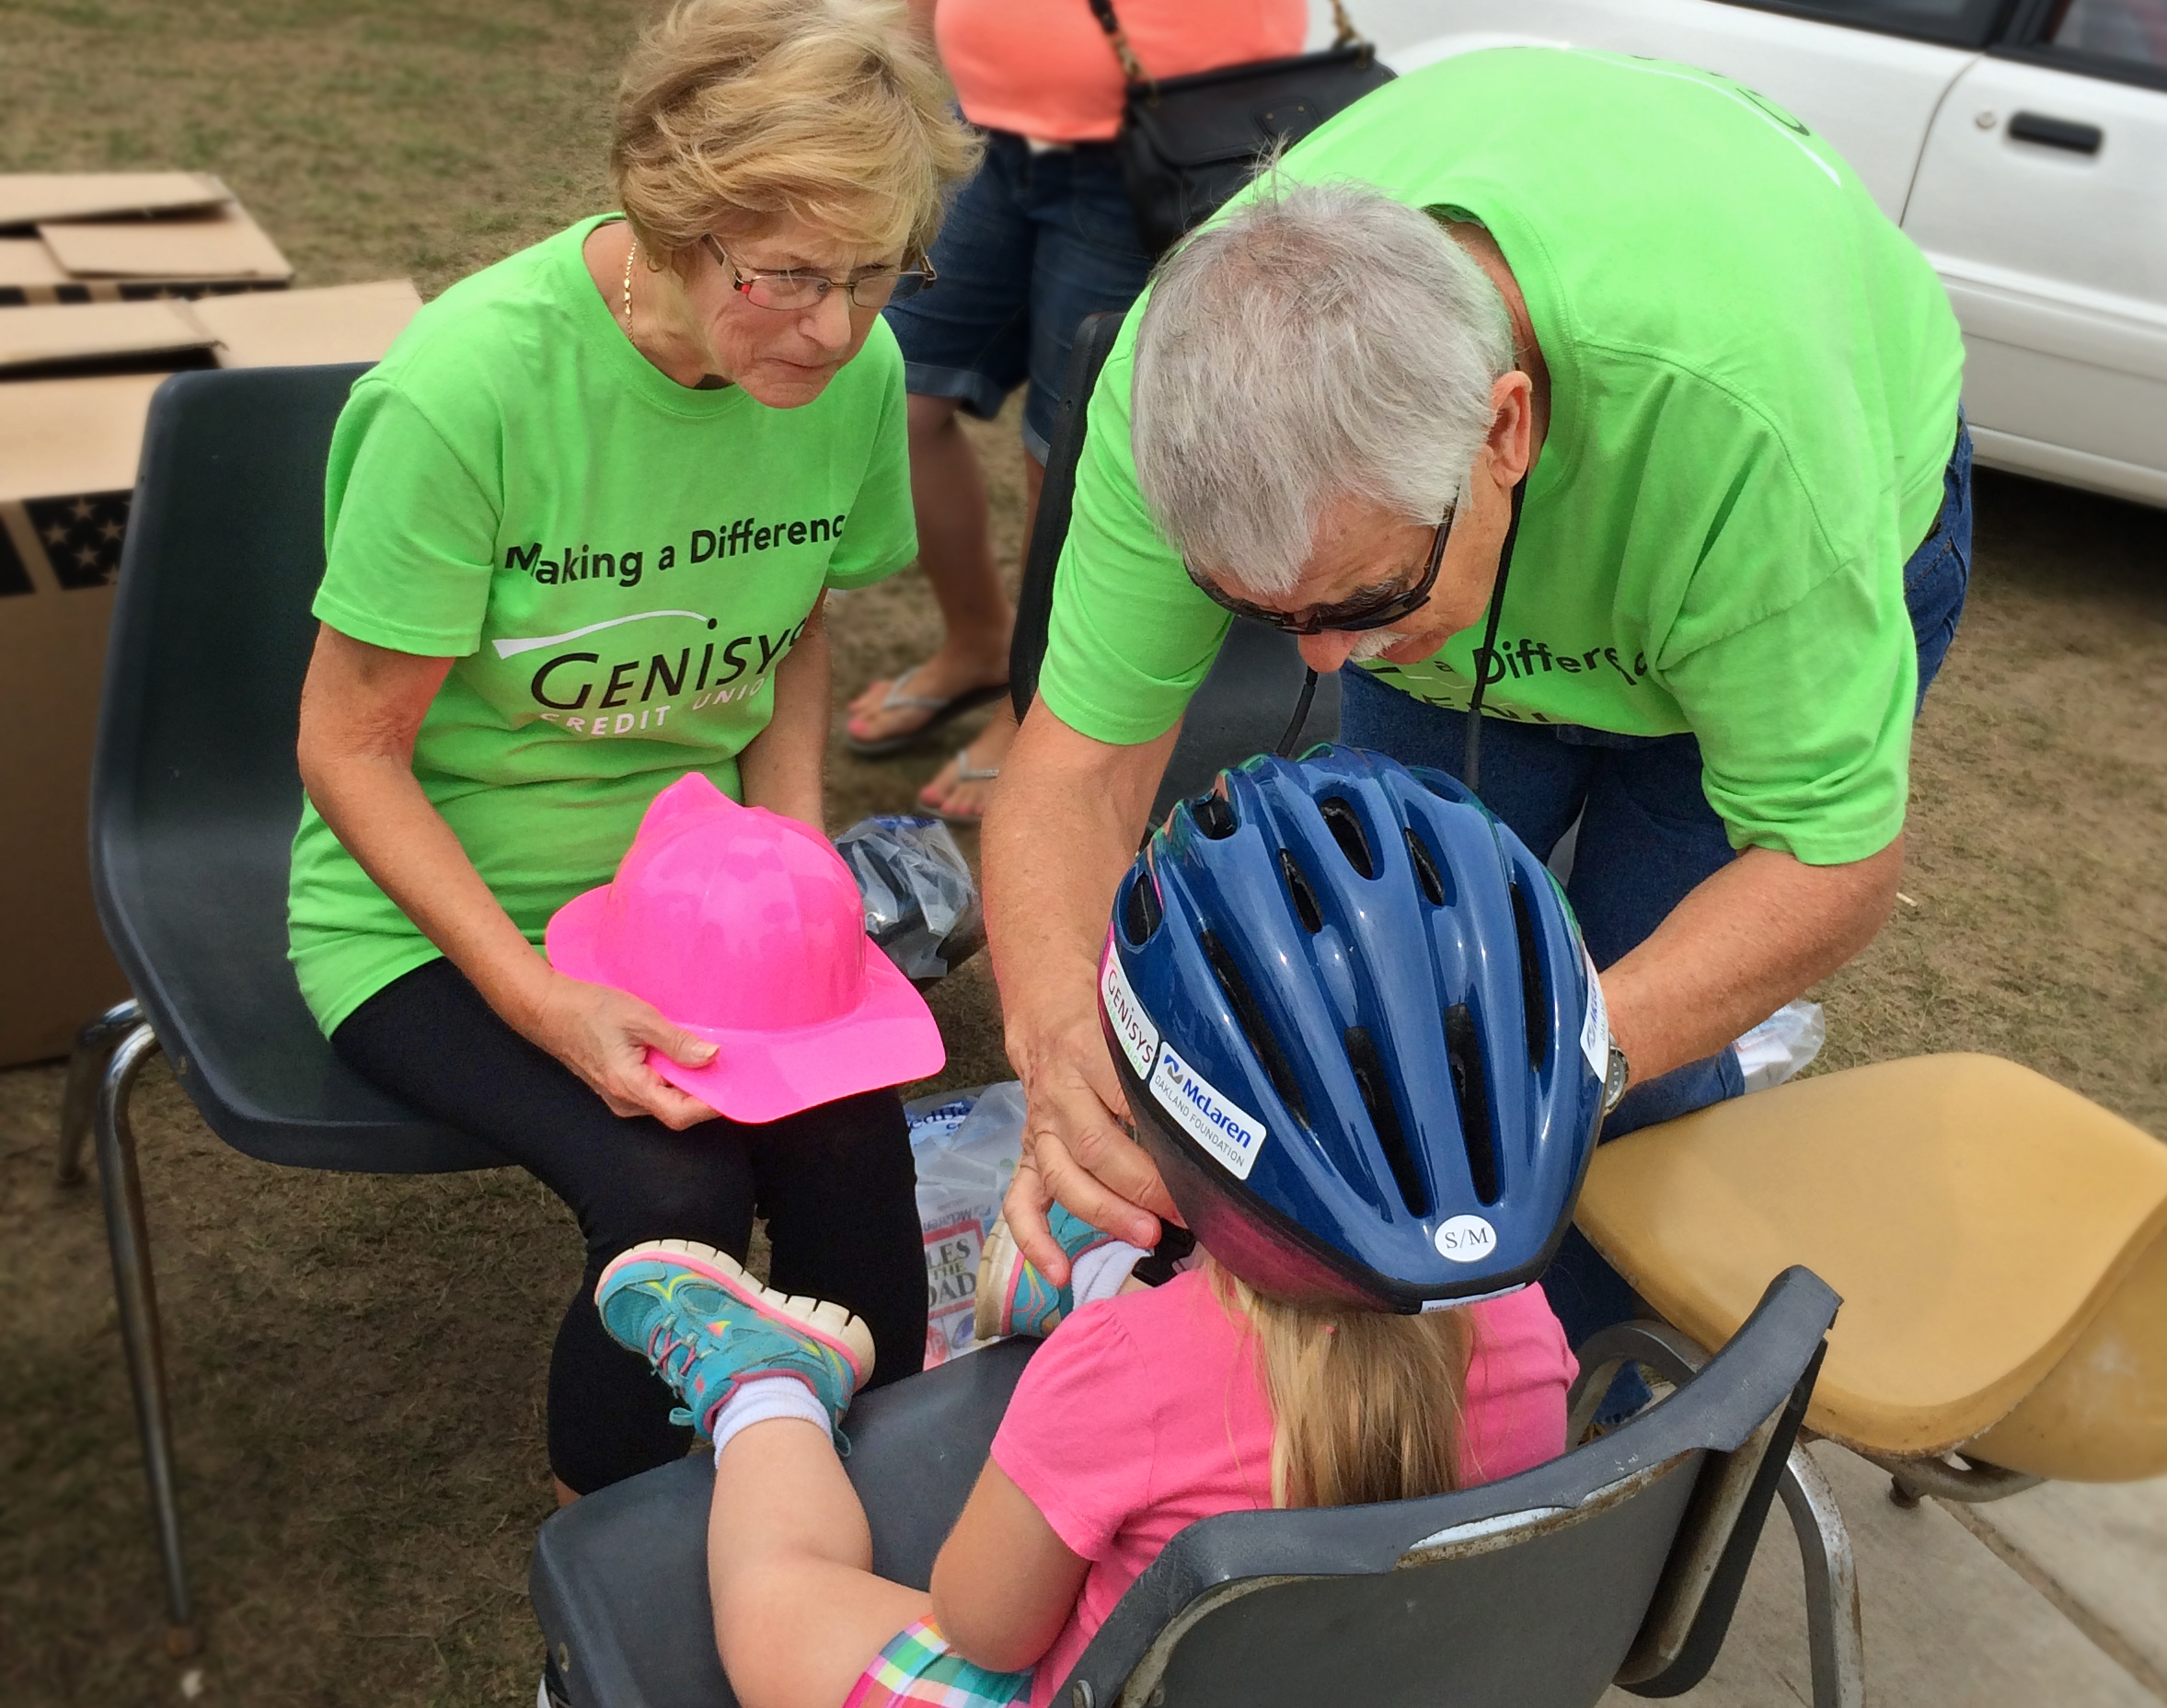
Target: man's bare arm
point(1744, 941)
point(1063, 828)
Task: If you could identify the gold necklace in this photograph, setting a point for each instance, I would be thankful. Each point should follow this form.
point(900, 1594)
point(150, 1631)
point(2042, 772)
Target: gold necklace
point(629, 255)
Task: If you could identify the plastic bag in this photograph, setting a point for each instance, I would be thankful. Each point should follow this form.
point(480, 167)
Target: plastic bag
point(965, 1145)
point(1783, 1045)
point(921, 905)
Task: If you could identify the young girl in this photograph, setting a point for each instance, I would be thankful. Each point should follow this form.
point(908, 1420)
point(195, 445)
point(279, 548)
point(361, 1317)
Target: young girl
point(1306, 1361)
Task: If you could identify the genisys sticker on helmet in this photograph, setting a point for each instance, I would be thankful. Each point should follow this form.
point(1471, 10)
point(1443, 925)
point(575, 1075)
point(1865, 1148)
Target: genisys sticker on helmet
point(1140, 1038)
point(1594, 1031)
point(1222, 1126)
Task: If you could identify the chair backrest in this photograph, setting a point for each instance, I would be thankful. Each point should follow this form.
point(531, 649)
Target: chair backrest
point(1620, 1561)
point(195, 791)
point(1245, 703)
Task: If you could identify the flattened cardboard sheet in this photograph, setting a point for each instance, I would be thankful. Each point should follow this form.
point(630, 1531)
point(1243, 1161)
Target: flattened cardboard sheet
point(224, 243)
point(48, 338)
point(337, 323)
point(27, 198)
point(26, 261)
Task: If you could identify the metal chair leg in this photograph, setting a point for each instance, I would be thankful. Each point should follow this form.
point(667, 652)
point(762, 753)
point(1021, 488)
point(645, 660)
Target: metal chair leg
point(1656, 1347)
point(1833, 1636)
point(1912, 1480)
point(94, 1049)
point(129, 1235)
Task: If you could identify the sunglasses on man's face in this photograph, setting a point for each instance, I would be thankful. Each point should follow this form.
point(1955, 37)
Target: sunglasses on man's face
point(1373, 610)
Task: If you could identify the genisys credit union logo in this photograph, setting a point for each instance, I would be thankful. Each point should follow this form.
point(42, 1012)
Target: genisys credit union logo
point(591, 681)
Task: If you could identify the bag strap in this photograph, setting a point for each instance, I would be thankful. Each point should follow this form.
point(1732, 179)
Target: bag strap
point(1132, 68)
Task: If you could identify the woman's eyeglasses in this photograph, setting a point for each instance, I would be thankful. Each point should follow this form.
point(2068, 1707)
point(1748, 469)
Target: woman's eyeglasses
point(1377, 610)
point(788, 293)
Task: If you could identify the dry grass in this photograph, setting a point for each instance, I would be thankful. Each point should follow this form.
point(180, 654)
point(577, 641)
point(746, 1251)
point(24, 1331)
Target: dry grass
point(357, 1362)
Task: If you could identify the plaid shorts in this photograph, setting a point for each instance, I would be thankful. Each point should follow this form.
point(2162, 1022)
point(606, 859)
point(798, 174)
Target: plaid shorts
point(917, 1666)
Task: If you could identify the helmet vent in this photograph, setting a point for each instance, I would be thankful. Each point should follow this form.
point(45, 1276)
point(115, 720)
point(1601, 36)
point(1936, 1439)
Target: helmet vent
point(1248, 1014)
point(1213, 817)
point(1305, 898)
point(1426, 872)
point(1463, 1054)
point(1534, 999)
point(1384, 1117)
point(1140, 911)
point(1345, 826)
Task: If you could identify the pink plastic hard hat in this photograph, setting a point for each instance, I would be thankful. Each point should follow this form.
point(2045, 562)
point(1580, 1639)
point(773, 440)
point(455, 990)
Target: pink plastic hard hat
point(745, 928)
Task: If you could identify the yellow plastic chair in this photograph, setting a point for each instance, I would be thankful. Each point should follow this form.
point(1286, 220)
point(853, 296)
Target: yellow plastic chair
point(2000, 1244)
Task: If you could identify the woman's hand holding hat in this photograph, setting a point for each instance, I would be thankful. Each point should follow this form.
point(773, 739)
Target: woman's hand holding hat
point(604, 1036)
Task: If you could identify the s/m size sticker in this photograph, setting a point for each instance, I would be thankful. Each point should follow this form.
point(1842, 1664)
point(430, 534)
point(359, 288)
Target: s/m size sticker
point(1140, 1038)
point(1222, 1126)
point(1466, 1240)
point(1594, 1031)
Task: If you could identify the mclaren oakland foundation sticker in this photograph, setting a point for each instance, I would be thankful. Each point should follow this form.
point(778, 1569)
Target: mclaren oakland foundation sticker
point(1466, 1239)
point(1140, 1038)
point(1229, 1132)
point(1594, 1031)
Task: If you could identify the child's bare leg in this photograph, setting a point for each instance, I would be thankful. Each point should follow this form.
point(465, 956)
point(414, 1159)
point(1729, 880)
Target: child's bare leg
point(798, 1614)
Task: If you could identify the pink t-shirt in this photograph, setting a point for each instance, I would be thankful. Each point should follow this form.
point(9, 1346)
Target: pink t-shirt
point(1044, 68)
point(1144, 1413)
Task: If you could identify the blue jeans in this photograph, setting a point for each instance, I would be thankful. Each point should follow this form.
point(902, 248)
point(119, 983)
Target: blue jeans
point(1647, 838)
point(1033, 244)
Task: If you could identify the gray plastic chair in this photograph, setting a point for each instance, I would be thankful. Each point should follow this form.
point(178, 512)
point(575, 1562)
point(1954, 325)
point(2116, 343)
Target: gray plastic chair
point(195, 797)
point(1246, 705)
point(1620, 1562)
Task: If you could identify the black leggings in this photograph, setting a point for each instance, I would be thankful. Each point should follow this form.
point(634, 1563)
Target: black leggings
point(834, 1182)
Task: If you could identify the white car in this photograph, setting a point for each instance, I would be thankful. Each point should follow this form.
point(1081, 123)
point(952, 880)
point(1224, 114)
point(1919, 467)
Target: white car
point(2021, 144)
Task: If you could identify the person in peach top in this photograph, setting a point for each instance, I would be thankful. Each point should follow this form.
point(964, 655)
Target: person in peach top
point(1040, 237)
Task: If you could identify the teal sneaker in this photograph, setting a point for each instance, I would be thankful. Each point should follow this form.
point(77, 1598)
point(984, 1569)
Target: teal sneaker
point(705, 1326)
point(1013, 1298)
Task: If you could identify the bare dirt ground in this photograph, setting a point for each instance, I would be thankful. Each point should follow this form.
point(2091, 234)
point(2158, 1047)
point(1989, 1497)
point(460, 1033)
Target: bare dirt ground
point(357, 1362)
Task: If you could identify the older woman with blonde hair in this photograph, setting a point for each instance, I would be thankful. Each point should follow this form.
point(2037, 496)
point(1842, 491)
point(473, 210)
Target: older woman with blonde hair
point(580, 524)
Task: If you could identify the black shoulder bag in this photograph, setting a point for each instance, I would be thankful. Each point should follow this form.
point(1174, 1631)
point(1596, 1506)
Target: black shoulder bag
point(1187, 144)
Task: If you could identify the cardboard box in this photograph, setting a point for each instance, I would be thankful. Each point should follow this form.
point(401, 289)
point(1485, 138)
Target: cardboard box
point(68, 454)
point(128, 236)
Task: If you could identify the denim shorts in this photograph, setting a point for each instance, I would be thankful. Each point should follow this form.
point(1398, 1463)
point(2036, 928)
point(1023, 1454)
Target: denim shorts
point(1034, 242)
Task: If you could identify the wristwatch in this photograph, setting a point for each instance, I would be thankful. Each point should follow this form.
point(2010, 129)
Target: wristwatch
point(1617, 1079)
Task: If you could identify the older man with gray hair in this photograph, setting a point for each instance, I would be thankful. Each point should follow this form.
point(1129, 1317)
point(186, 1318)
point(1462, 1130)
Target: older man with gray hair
point(1590, 394)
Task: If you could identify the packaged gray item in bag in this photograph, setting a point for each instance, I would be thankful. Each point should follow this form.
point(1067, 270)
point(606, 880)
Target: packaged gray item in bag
point(921, 905)
point(965, 1145)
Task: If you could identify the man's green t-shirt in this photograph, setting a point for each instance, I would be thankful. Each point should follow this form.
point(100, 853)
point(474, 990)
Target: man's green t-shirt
point(1753, 397)
point(617, 562)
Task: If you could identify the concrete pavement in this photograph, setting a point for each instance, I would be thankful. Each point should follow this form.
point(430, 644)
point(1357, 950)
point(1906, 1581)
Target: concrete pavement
point(2057, 1596)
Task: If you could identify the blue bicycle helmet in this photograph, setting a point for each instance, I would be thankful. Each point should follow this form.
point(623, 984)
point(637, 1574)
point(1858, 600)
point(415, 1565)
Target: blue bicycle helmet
point(1358, 1034)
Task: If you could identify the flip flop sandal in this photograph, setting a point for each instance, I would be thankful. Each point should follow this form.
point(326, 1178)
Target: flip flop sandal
point(965, 772)
point(943, 710)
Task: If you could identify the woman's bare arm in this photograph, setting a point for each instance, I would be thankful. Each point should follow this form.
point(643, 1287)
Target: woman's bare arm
point(781, 768)
point(1004, 1583)
point(361, 708)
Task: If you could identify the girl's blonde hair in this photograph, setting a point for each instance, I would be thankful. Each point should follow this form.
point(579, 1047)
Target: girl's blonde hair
point(1367, 1405)
point(735, 114)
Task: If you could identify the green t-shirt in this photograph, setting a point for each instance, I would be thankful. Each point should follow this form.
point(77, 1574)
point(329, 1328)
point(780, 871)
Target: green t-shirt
point(618, 563)
point(1753, 397)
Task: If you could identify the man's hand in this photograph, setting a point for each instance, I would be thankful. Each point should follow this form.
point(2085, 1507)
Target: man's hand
point(1058, 837)
point(603, 1035)
point(1078, 1152)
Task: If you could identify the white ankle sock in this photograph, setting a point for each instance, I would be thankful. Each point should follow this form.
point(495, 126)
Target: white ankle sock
point(1100, 1272)
point(763, 1401)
